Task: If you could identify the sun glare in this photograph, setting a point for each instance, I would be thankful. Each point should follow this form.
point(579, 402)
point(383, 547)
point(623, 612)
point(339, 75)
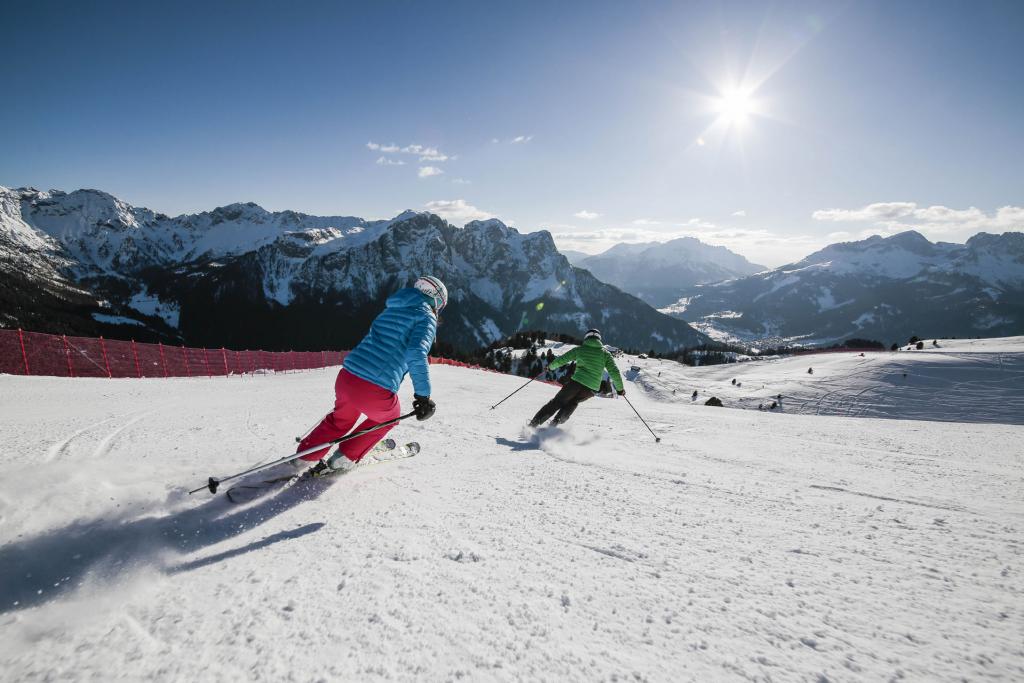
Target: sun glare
point(734, 106)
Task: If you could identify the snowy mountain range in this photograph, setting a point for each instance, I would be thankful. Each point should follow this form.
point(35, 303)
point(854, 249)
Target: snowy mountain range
point(660, 272)
point(86, 262)
point(882, 288)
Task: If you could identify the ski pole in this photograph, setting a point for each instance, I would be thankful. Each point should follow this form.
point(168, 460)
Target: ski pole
point(514, 392)
point(313, 426)
point(657, 439)
point(213, 482)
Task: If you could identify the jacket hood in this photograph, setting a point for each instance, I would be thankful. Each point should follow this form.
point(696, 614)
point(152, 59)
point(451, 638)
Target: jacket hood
point(407, 298)
point(593, 341)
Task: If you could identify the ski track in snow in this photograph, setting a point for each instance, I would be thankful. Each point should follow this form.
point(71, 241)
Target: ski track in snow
point(747, 545)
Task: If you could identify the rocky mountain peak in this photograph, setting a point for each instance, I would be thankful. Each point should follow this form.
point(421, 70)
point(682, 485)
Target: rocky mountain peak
point(230, 275)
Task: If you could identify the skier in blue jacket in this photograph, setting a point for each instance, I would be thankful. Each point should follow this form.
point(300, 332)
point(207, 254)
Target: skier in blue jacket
point(397, 344)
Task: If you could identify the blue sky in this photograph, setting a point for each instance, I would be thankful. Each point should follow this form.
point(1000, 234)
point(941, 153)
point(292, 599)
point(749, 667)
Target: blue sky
point(771, 128)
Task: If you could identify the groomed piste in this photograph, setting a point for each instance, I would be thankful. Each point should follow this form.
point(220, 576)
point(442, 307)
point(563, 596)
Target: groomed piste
point(870, 529)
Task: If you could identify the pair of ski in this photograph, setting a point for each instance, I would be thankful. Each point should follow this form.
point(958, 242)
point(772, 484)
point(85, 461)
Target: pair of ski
point(385, 451)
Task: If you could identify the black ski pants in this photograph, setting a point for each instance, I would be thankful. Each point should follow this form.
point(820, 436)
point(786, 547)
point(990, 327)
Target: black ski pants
point(564, 403)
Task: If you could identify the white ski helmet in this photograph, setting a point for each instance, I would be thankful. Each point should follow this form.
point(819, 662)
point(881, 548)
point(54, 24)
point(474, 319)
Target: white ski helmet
point(595, 333)
point(435, 289)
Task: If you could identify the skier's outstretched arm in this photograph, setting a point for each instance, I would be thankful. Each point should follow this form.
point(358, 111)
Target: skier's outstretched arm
point(566, 357)
point(416, 355)
point(613, 372)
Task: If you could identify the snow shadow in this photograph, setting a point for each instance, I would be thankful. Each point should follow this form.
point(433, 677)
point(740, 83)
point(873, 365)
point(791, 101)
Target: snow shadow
point(532, 444)
point(256, 545)
point(103, 550)
point(534, 440)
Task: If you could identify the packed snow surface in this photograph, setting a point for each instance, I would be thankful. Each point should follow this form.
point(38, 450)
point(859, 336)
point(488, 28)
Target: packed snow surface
point(746, 545)
point(960, 380)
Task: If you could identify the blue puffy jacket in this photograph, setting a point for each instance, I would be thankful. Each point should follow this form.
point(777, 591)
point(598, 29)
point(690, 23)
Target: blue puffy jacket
point(398, 343)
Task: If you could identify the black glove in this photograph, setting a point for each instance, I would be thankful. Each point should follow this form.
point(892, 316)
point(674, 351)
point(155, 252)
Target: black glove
point(622, 392)
point(423, 406)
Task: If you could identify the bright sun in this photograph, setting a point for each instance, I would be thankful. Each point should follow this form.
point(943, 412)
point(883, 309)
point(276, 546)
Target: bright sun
point(734, 106)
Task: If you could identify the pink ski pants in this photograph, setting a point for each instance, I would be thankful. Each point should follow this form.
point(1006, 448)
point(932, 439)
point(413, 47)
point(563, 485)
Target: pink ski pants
point(353, 397)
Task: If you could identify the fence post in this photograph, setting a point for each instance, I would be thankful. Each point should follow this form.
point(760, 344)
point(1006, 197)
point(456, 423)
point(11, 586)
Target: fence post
point(206, 359)
point(163, 362)
point(106, 363)
point(184, 355)
point(224, 353)
point(135, 352)
point(24, 356)
point(67, 353)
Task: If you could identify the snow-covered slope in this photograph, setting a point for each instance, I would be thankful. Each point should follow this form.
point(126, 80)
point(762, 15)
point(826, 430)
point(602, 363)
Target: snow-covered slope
point(746, 545)
point(969, 380)
point(882, 288)
point(242, 276)
point(659, 272)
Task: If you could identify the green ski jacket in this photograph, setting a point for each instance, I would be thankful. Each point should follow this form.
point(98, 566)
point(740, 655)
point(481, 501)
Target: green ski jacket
point(591, 362)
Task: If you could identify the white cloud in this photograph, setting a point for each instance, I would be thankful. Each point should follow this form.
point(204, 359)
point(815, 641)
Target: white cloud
point(942, 214)
point(422, 151)
point(517, 140)
point(742, 213)
point(385, 161)
point(645, 221)
point(586, 215)
point(461, 181)
point(428, 171)
point(699, 224)
point(457, 211)
point(871, 212)
point(936, 222)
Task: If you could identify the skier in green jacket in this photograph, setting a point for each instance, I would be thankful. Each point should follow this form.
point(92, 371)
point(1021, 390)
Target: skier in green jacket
point(591, 362)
